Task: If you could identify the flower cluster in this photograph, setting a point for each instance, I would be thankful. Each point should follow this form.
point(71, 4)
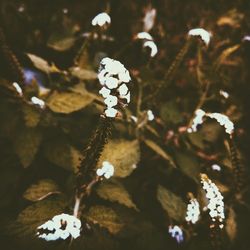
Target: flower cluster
point(107, 170)
point(224, 121)
point(202, 33)
point(193, 211)
point(198, 119)
point(113, 76)
point(215, 200)
point(176, 233)
point(148, 42)
point(101, 19)
point(60, 226)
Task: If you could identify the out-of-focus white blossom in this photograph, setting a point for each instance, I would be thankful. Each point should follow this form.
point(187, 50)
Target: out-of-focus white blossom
point(224, 121)
point(101, 19)
point(215, 199)
point(105, 92)
point(224, 94)
point(152, 46)
point(149, 19)
point(198, 119)
point(205, 35)
point(176, 233)
point(60, 227)
point(18, 88)
point(150, 115)
point(216, 167)
point(193, 211)
point(113, 76)
point(107, 170)
point(38, 101)
point(144, 35)
point(134, 118)
point(246, 38)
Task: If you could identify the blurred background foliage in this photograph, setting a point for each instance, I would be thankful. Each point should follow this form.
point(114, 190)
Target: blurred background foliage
point(156, 163)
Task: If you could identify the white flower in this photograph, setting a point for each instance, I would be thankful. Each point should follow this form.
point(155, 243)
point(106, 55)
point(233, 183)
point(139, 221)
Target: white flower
point(144, 35)
point(205, 35)
point(126, 97)
point(134, 118)
point(111, 82)
point(123, 90)
point(224, 94)
point(176, 233)
point(18, 88)
point(107, 170)
point(151, 116)
point(111, 112)
point(246, 38)
point(224, 121)
point(38, 102)
point(60, 227)
point(111, 101)
point(104, 92)
point(152, 46)
point(124, 76)
point(101, 19)
point(215, 199)
point(216, 167)
point(193, 211)
point(198, 119)
point(149, 19)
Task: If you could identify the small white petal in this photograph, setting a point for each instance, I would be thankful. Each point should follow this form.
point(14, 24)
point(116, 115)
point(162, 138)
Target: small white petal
point(124, 76)
point(111, 101)
point(152, 47)
point(150, 115)
point(123, 90)
point(111, 112)
point(127, 97)
point(38, 102)
point(205, 35)
point(104, 92)
point(18, 88)
point(101, 19)
point(111, 82)
point(144, 35)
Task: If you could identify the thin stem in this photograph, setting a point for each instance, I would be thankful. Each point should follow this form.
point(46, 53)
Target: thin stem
point(172, 69)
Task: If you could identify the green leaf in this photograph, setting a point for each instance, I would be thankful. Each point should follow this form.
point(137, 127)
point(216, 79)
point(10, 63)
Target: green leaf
point(31, 115)
point(63, 155)
point(114, 191)
point(68, 102)
point(170, 113)
point(105, 217)
point(160, 151)
point(40, 63)
point(61, 43)
point(171, 203)
point(188, 164)
point(84, 74)
point(36, 214)
point(41, 190)
point(26, 144)
point(123, 155)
